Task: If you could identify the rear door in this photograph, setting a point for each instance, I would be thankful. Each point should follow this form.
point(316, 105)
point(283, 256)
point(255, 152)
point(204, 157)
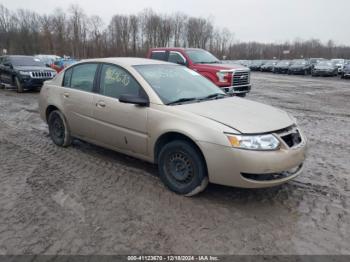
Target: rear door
point(120, 125)
point(77, 97)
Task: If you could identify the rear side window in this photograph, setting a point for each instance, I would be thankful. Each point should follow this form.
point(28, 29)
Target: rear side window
point(158, 55)
point(67, 76)
point(116, 81)
point(83, 77)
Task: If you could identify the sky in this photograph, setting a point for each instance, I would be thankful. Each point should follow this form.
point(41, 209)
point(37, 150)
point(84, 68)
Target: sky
point(268, 21)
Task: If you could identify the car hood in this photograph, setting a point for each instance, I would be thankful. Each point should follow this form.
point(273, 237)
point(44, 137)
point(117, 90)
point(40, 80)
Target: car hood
point(33, 68)
point(207, 67)
point(282, 66)
point(243, 115)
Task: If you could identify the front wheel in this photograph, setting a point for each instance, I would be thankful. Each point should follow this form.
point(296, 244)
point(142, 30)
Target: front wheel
point(58, 129)
point(19, 85)
point(182, 168)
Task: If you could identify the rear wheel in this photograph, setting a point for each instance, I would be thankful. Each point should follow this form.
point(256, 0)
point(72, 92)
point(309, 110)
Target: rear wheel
point(182, 168)
point(19, 85)
point(58, 129)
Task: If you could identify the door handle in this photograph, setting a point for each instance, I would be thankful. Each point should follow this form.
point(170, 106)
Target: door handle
point(101, 104)
point(66, 95)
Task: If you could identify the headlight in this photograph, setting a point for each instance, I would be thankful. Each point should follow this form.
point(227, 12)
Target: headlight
point(256, 142)
point(222, 76)
point(24, 73)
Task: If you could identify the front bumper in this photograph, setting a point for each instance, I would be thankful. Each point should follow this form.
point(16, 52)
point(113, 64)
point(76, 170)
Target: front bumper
point(298, 70)
point(33, 82)
point(242, 168)
point(283, 70)
point(323, 73)
point(234, 90)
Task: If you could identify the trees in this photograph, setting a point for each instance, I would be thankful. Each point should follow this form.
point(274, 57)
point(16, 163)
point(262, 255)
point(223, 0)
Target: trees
point(76, 34)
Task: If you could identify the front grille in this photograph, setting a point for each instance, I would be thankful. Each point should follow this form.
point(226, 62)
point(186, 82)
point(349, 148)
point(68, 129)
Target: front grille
point(291, 136)
point(240, 78)
point(41, 74)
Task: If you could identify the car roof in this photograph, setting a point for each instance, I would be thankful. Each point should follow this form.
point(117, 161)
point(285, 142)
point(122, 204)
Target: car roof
point(127, 61)
point(174, 49)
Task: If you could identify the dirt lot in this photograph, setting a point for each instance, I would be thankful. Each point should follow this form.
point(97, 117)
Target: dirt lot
point(88, 200)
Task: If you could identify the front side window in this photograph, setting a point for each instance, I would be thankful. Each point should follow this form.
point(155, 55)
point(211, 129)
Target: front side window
point(174, 82)
point(176, 58)
point(83, 77)
point(116, 81)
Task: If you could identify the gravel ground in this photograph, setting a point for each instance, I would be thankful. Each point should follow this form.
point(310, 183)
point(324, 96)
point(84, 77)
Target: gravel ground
point(88, 200)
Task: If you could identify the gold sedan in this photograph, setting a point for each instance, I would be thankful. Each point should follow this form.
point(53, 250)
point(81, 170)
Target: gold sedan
point(172, 116)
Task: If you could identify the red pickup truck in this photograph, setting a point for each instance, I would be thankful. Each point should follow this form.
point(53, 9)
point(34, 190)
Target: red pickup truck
point(233, 79)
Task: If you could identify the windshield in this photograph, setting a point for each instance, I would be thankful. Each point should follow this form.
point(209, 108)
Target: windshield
point(325, 63)
point(338, 61)
point(201, 57)
point(173, 83)
point(26, 61)
point(283, 63)
point(300, 62)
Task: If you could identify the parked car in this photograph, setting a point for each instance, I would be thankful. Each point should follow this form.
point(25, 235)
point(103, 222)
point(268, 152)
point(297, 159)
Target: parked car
point(233, 79)
point(172, 116)
point(256, 65)
point(300, 66)
point(282, 67)
point(48, 60)
point(346, 71)
point(339, 63)
point(268, 66)
point(325, 68)
point(60, 64)
point(314, 61)
point(24, 72)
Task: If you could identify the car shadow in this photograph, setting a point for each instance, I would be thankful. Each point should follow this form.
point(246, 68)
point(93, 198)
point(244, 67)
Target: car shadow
point(213, 192)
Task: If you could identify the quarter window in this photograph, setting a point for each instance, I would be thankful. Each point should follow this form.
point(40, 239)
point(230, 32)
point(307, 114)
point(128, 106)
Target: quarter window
point(115, 82)
point(67, 76)
point(83, 77)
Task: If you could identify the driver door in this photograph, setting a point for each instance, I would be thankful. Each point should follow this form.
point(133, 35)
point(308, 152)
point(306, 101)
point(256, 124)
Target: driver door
point(119, 125)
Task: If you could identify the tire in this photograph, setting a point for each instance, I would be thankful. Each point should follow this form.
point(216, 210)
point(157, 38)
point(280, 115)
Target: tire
point(182, 168)
point(19, 86)
point(58, 129)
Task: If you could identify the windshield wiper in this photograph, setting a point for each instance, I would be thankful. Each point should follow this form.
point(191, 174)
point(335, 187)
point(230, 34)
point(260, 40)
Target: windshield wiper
point(213, 96)
point(182, 100)
point(209, 62)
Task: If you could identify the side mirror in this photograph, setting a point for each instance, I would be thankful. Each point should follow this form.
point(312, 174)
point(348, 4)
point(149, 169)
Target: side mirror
point(132, 99)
